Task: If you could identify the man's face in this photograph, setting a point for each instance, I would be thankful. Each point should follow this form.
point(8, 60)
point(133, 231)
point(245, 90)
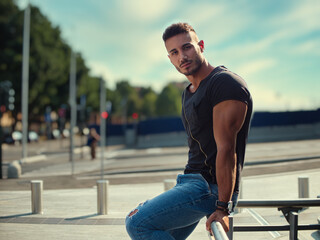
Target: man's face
point(185, 52)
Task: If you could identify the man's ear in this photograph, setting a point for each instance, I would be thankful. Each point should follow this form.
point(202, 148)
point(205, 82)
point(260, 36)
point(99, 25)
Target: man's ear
point(201, 45)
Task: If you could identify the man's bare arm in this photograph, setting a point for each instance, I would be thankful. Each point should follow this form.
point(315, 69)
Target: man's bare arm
point(228, 118)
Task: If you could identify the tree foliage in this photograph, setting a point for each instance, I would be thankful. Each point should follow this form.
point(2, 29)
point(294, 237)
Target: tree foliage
point(11, 19)
point(49, 67)
point(168, 102)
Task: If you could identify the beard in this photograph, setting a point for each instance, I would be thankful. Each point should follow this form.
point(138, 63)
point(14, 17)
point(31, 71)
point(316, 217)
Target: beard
point(194, 67)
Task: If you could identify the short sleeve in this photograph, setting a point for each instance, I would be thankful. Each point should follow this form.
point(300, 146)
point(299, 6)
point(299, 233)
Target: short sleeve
point(227, 86)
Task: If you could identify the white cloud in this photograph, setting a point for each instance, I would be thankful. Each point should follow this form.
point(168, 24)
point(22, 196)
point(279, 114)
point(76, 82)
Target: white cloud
point(253, 68)
point(310, 47)
point(213, 22)
point(144, 10)
point(267, 99)
point(300, 20)
point(303, 17)
point(100, 69)
point(199, 13)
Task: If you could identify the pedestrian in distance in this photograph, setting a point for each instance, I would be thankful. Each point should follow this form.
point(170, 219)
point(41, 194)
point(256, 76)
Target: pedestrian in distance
point(216, 113)
point(93, 140)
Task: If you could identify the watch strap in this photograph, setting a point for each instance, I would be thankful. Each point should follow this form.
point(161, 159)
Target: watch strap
point(222, 204)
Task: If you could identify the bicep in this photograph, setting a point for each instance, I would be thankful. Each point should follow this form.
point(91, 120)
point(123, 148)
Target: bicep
point(228, 118)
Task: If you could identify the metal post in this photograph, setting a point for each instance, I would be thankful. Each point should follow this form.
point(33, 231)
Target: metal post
point(168, 184)
point(230, 232)
point(1, 140)
point(239, 210)
point(73, 107)
point(102, 203)
point(293, 219)
point(25, 80)
point(102, 123)
point(82, 105)
point(36, 196)
point(303, 187)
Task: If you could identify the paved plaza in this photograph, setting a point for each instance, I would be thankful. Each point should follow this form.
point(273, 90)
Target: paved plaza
point(72, 213)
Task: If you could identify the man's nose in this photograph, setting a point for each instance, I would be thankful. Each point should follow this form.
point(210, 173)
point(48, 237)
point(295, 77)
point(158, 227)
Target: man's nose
point(183, 57)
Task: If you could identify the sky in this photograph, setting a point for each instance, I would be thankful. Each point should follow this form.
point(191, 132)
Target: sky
point(273, 44)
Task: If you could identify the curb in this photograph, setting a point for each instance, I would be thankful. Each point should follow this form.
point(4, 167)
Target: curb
point(33, 159)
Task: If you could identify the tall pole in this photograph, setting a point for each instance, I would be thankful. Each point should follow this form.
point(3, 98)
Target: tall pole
point(102, 123)
point(73, 107)
point(25, 80)
point(1, 140)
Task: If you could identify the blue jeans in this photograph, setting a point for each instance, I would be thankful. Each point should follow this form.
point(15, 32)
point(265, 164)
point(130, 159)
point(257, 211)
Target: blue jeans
point(175, 213)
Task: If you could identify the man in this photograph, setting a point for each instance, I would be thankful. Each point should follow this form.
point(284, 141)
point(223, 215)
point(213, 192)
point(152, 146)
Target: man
point(216, 113)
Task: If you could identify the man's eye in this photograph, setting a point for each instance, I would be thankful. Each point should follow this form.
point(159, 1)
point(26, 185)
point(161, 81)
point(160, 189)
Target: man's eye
point(174, 53)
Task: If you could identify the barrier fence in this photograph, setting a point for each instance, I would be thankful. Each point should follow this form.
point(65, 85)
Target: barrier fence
point(289, 208)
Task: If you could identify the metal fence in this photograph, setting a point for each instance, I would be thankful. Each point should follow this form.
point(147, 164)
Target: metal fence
point(289, 208)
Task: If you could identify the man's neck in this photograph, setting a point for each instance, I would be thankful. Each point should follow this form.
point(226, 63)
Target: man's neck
point(196, 79)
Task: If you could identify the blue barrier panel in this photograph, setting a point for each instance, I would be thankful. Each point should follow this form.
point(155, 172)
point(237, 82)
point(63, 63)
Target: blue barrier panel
point(174, 124)
point(160, 125)
point(269, 119)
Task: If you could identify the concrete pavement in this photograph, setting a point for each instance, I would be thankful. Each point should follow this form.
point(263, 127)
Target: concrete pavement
point(72, 213)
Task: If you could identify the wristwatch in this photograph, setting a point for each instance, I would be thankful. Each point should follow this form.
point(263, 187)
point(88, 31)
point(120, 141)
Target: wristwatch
point(224, 206)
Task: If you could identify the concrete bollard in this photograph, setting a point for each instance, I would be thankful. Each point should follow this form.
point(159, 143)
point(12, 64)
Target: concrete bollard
point(303, 187)
point(169, 183)
point(36, 196)
point(14, 170)
point(102, 203)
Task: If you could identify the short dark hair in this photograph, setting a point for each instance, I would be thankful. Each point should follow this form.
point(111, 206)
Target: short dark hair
point(176, 29)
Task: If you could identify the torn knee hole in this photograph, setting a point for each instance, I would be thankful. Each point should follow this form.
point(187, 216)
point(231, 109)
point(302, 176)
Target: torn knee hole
point(133, 212)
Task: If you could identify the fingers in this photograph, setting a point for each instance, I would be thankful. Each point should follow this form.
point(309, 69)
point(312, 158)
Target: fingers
point(225, 227)
point(222, 218)
point(208, 225)
point(209, 221)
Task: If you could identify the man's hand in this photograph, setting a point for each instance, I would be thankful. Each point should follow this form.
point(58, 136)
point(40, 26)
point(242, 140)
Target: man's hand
point(219, 216)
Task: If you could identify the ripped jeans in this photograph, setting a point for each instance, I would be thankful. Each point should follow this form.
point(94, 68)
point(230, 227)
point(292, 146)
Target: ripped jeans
point(174, 214)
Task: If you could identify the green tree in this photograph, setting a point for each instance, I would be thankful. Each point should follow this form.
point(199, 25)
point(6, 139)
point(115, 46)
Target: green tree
point(149, 98)
point(90, 87)
point(126, 99)
point(49, 65)
point(169, 101)
point(115, 100)
point(11, 19)
point(49, 61)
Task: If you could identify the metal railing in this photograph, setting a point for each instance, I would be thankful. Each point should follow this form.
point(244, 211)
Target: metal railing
point(289, 208)
point(217, 231)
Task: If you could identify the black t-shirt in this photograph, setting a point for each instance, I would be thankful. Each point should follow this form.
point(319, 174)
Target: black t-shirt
point(197, 110)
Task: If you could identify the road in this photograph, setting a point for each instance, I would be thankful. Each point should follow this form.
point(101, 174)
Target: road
point(49, 159)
